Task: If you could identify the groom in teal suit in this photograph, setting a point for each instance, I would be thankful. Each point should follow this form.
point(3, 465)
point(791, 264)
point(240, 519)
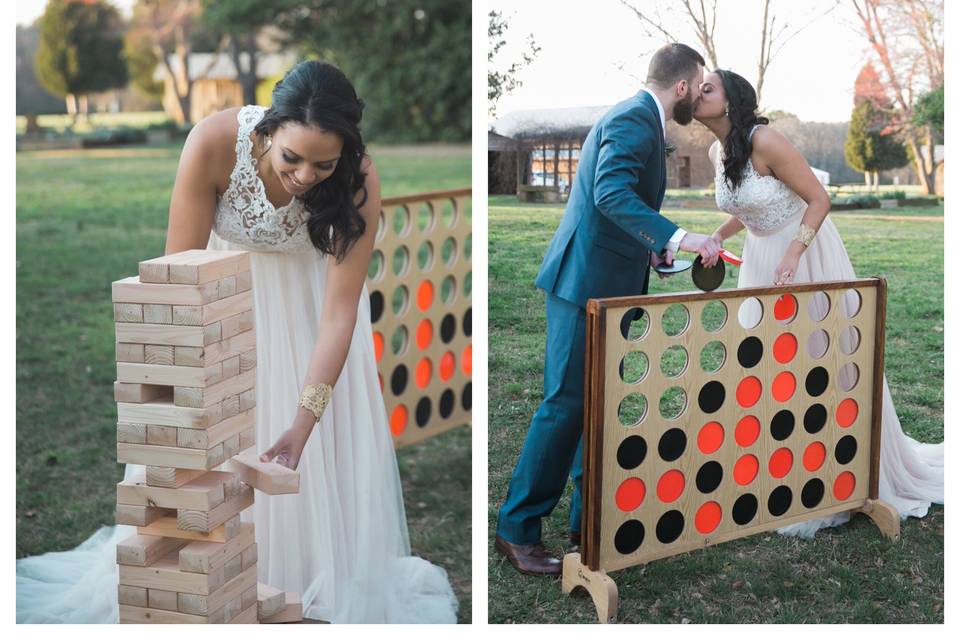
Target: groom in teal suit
point(610, 232)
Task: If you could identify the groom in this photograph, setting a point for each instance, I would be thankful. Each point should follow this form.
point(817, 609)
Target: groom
point(610, 232)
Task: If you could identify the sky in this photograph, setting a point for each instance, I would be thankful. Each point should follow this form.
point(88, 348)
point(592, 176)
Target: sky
point(596, 53)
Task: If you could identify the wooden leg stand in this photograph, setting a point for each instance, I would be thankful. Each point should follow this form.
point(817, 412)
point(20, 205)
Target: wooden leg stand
point(884, 516)
point(598, 584)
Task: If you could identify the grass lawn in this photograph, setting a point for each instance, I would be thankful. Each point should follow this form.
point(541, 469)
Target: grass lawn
point(845, 574)
point(85, 219)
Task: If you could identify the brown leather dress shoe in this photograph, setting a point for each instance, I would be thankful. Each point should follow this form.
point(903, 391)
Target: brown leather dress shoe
point(531, 559)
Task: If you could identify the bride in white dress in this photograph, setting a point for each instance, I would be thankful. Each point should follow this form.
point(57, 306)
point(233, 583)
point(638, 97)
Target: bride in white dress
point(768, 188)
point(342, 541)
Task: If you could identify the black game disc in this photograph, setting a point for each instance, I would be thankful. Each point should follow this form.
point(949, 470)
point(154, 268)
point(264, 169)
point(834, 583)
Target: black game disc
point(678, 266)
point(708, 279)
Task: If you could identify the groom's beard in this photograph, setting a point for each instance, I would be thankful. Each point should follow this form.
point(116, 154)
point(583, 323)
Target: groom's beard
point(683, 111)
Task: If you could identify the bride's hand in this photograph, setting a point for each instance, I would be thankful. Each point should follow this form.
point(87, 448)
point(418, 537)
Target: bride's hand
point(288, 447)
point(787, 269)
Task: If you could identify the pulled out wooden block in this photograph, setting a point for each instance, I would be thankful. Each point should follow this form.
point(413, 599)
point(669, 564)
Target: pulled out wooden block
point(203, 605)
point(176, 457)
point(171, 477)
point(205, 521)
point(269, 477)
point(135, 291)
point(139, 515)
point(141, 551)
point(204, 492)
point(168, 527)
point(207, 557)
point(292, 611)
point(136, 392)
point(270, 600)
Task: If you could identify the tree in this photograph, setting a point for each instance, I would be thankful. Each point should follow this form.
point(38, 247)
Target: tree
point(906, 38)
point(240, 22)
point(410, 60)
point(172, 30)
point(500, 83)
point(80, 51)
point(32, 99)
point(775, 32)
point(928, 112)
point(141, 64)
point(871, 147)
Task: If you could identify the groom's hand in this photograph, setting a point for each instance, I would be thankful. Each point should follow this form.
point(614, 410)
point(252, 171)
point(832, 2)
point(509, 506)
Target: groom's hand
point(706, 246)
point(656, 260)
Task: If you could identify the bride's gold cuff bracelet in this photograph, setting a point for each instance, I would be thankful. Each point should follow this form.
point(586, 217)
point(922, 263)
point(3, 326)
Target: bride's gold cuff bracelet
point(805, 234)
point(315, 398)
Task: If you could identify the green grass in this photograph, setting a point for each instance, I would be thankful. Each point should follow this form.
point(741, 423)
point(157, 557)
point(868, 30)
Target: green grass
point(85, 219)
point(62, 122)
point(845, 574)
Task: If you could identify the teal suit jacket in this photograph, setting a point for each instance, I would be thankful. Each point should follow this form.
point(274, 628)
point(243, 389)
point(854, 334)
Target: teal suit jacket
point(612, 219)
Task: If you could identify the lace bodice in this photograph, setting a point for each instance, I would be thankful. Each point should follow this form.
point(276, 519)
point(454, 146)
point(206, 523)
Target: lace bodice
point(762, 203)
point(244, 215)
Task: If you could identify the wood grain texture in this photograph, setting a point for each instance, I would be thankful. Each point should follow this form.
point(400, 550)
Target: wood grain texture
point(269, 477)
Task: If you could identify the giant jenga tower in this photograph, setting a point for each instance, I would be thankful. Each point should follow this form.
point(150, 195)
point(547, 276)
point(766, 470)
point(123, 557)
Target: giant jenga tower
point(185, 392)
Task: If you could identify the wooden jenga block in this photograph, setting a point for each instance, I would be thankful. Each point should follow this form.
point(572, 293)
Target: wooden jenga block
point(131, 433)
point(231, 366)
point(127, 352)
point(134, 291)
point(236, 324)
point(249, 598)
point(164, 574)
point(200, 604)
point(248, 360)
point(137, 392)
point(167, 527)
point(292, 611)
point(270, 600)
point(200, 315)
point(247, 616)
point(176, 457)
point(159, 354)
point(269, 477)
point(141, 550)
point(195, 520)
point(230, 406)
point(159, 434)
point(249, 557)
point(247, 439)
point(198, 266)
point(164, 412)
point(199, 397)
point(146, 615)
point(215, 352)
point(134, 596)
point(244, 281)
point(202, 493)
point(169, 334)
point(248, 399)
point(154, 270)
point(161, 599)
point(207, 557)
point(171, 477)
point(127, 312)
point(220, 432)
point(228, 286)
point(158, 313)
point(139, 515)
point(158, 374)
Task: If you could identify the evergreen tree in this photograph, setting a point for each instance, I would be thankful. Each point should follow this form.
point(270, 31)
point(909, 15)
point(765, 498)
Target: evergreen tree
point(870, 146)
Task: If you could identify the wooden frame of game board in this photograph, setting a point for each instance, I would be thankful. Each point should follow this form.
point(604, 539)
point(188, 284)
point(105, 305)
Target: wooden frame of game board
point(591, 571)
point(383, 282)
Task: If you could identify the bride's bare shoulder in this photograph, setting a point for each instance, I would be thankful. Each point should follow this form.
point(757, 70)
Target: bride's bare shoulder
point(213, 139)
point(766, 139)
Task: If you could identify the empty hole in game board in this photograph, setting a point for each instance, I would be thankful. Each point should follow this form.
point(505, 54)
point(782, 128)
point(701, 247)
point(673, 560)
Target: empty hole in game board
point(849, 340)
point(633, 409)
point(818, 343)
point(634, 367)
point(818, 306)
point(400, 300)
point(425, 256)
point(713, 356)
point(375, 268)
point(849, 376)
point(850, 303)
point(676, 318)
point(401, 221)
point(634, 324)
point(714, 316)
point(673, 402)
point(673, 361)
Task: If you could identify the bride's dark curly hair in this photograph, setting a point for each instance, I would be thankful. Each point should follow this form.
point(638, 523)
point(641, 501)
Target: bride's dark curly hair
point(742, 113)
point(318, 94)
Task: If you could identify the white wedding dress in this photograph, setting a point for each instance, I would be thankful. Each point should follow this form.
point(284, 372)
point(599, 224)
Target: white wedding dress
point(911, 472)
point(342, 541)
